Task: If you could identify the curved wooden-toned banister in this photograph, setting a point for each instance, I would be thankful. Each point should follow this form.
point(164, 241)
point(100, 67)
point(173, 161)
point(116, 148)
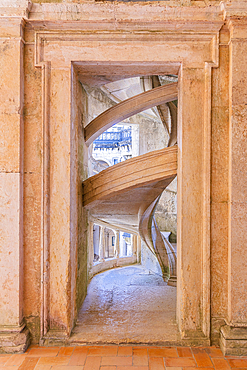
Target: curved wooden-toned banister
point(136, 172)
point(129, 107)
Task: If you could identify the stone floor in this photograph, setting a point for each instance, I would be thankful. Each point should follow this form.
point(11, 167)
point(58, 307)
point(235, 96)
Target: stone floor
point(121, 358)
point(127, 305)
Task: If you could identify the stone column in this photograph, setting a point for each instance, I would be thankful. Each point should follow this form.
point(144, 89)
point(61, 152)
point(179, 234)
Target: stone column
point(102, 244)
point(117, 246)
point(139, 247)
point(90, 246)
point(234, 335)
point(193, 198)
point(134, 244)
point(13, 335)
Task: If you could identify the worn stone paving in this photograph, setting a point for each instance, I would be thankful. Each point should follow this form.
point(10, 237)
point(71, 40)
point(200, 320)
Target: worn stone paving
point(121, 358)
point(128, 305)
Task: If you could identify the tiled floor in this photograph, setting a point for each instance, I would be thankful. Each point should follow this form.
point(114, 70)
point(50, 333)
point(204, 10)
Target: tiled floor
point(121, 358)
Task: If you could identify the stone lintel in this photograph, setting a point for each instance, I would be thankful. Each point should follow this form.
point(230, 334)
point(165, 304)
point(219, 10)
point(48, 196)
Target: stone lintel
point(118, 12)
point(233, 340)
point(234, 8)
point(15, 8)
point(14, 339)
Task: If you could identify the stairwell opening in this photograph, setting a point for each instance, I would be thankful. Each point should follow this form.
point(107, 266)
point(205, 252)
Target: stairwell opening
point(122, 303)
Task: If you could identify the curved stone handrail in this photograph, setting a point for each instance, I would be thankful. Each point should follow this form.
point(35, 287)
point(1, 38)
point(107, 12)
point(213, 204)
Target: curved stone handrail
point(129, 107)
point(158, 244)
point(137, 172)
point(127, 194)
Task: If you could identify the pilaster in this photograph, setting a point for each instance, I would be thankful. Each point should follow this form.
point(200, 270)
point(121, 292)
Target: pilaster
point(233, 338)
point(193, 208)
point(14, 337)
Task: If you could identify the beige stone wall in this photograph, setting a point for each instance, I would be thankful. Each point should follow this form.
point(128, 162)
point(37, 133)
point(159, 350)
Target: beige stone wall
point(220, 187)
point(43, 109)
point(33, 137)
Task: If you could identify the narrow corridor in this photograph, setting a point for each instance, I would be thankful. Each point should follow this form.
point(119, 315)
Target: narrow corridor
point(127, 305)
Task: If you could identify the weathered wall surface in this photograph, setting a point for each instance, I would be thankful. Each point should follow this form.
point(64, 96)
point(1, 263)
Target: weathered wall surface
point(220, 188)
point(212, 270)
point(33, 137)
point(11, 172)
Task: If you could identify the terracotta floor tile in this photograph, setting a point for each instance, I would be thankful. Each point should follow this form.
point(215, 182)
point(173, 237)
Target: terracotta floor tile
point(214, 352)
point(31, 347)
point(59, 367)
point(4, 359)
point(124, 351)
point(16, 360)
point(78, 357)
point(202, 358)
point(184, 352)
point(118, 361)
point(163, 352)
point(66, 351)
point(140, 356)
point(180, 362)
point(220, 364)
point(132, 368)
point(93, 363)
point(195, 368)
point(140, 351)
point(103, 351)
point(62, 360)
point(43, 352)
point(156, 363)
point(122, 358)
point(29, 363)
point(238, 362)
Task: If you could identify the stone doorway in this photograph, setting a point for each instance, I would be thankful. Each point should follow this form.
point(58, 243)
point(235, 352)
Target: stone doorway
point(193, 165)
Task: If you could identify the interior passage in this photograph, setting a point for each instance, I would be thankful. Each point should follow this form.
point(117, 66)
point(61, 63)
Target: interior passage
point(127, 305)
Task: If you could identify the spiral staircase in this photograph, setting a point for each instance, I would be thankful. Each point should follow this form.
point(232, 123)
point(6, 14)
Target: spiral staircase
point(126, 194)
